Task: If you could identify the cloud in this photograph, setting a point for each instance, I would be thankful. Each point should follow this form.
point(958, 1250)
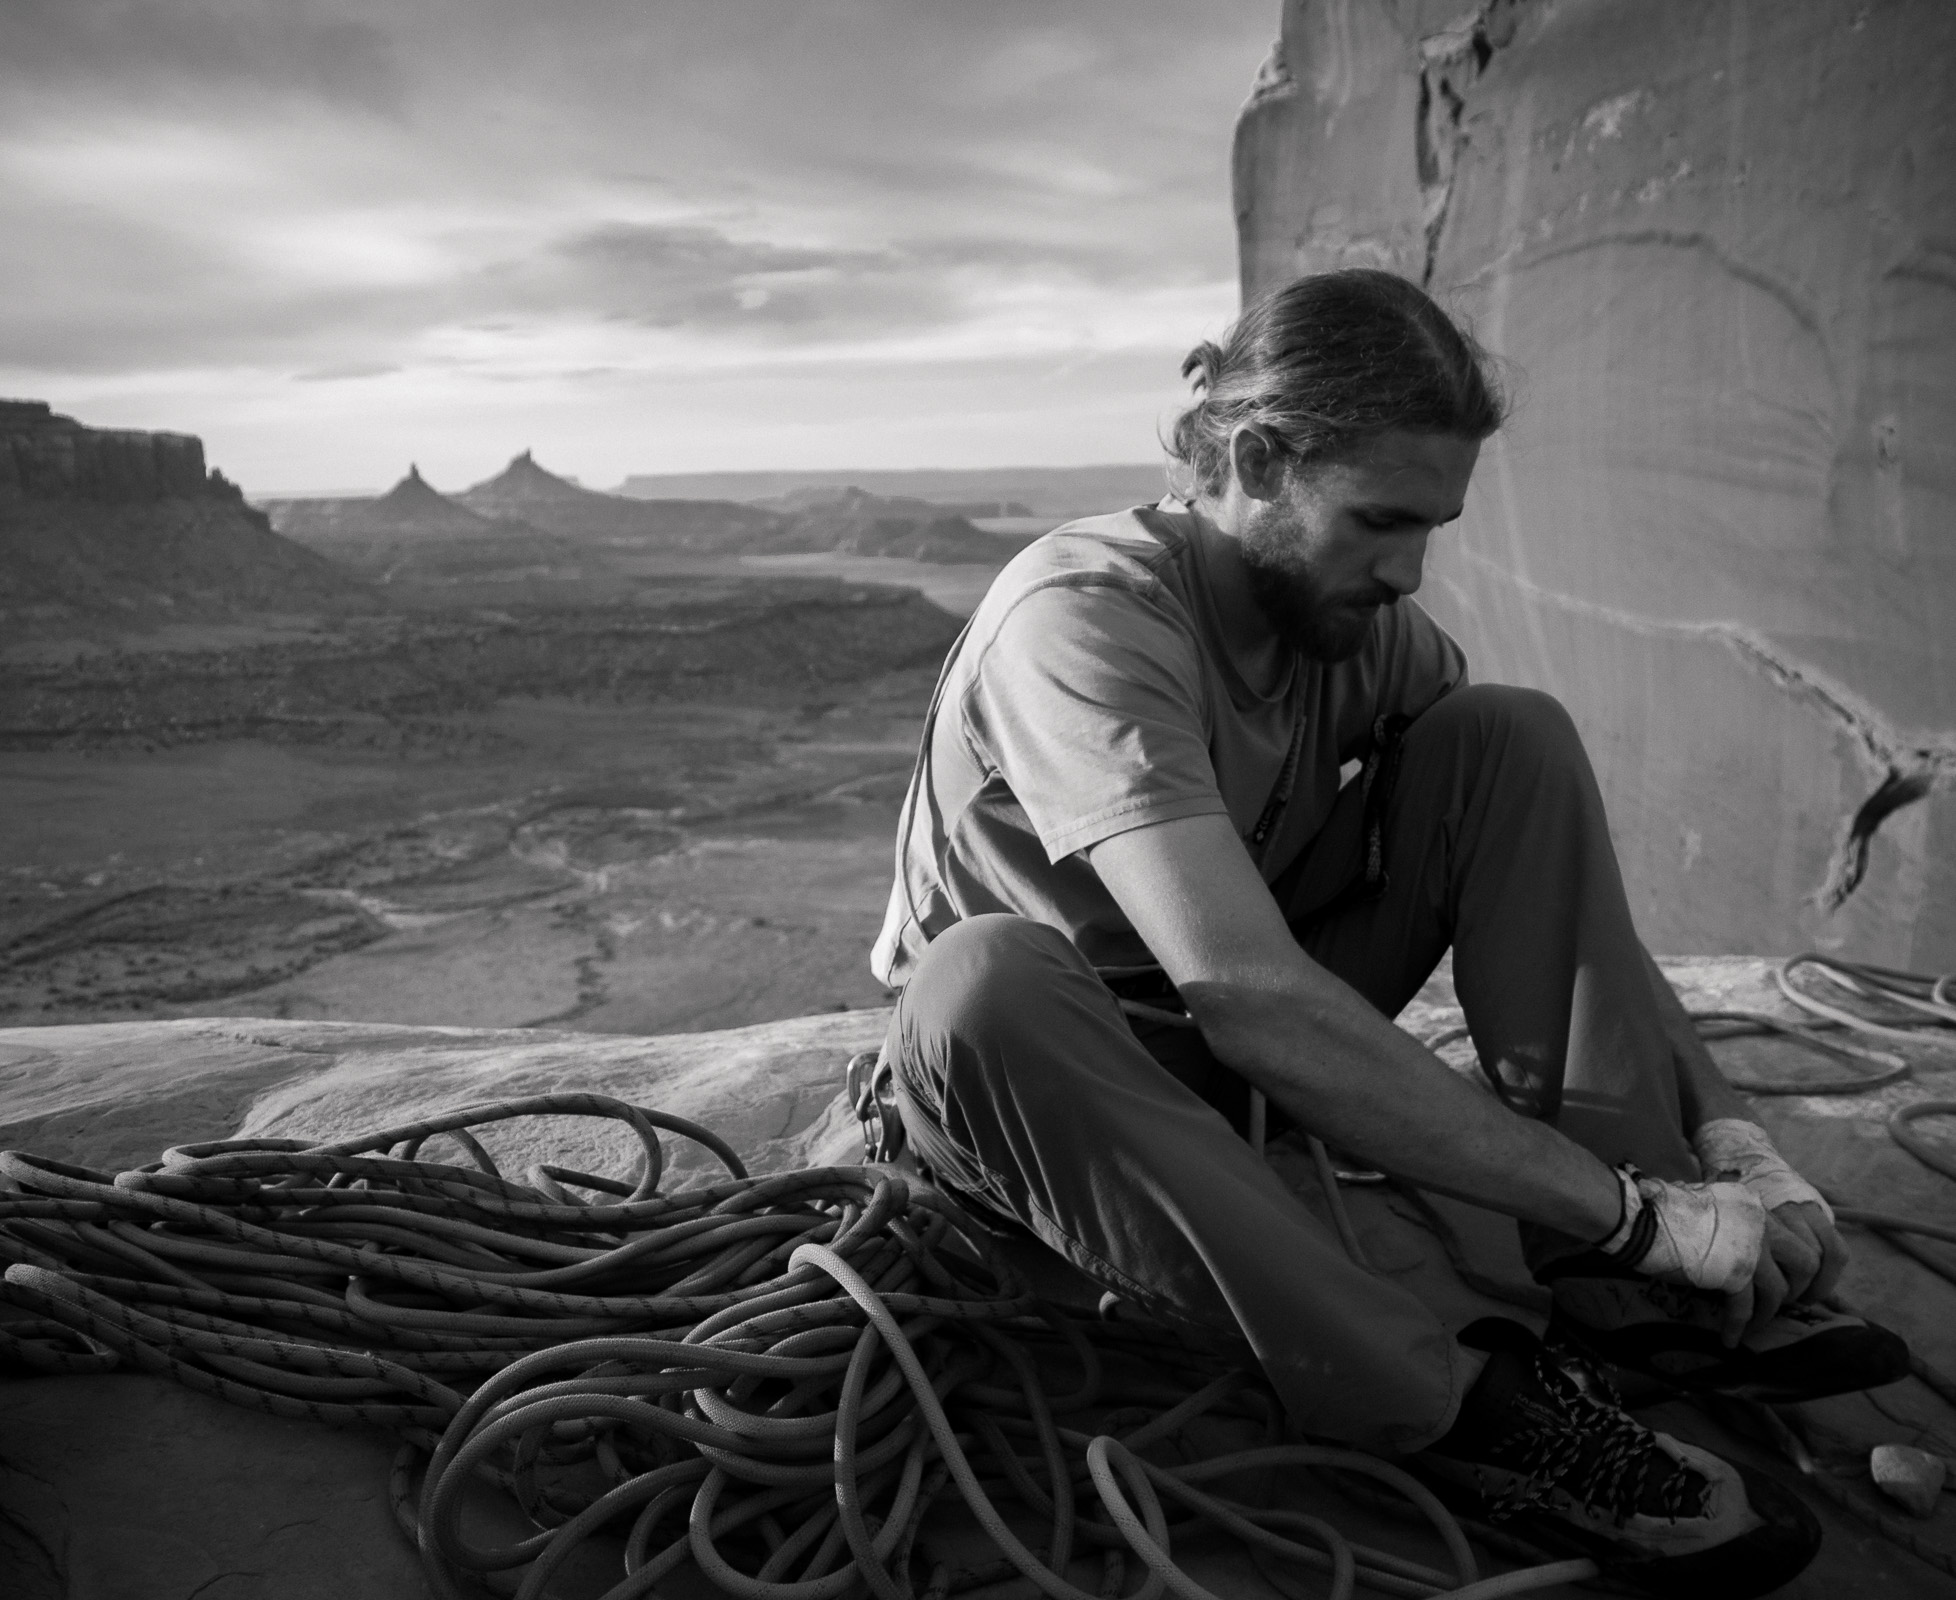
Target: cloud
point(693, 276)
point(346, 371)
point(401, 198)
point(114, 45)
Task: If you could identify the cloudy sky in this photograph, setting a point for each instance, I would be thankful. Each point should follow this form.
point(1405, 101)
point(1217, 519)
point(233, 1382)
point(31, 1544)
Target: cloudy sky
point(637, 235)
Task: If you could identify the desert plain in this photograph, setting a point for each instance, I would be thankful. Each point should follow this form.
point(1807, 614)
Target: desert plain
point(542, 764)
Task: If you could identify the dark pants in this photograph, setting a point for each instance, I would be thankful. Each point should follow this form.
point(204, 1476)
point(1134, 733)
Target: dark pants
point(1025, 1087)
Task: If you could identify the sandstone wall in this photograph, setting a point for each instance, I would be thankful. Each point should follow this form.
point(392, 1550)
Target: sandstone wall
point(44, 453)
point(1717, 239)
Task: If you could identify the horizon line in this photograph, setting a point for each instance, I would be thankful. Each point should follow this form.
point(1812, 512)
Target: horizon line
point(718, 472)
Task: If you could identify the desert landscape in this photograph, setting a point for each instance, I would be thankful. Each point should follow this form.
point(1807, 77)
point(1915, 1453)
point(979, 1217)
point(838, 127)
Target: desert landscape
point(446, 819)
point(528, 755)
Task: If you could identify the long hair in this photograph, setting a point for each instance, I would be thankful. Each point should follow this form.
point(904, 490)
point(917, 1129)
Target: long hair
point(1328, 361)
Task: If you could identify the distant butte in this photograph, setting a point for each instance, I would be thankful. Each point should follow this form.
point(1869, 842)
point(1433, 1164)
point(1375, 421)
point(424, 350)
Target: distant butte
point(524, 483)
point(414, 507)
point(116, 529)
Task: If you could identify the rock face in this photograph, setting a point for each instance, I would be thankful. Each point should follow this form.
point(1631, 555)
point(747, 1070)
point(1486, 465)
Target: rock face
point(107, 529)
point(1713, 239)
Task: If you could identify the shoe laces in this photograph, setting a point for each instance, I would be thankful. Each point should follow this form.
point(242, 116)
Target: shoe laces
point(1583, 1443)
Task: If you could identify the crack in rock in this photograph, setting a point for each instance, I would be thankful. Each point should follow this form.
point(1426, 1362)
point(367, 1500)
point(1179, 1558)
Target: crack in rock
point(1451, 61)
point(1912, 765)
point(1850, 861)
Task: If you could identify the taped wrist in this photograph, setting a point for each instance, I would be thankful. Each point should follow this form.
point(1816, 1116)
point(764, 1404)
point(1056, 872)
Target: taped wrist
point(1730, 1150)
point(1708, 1235)
point(1636, 1224)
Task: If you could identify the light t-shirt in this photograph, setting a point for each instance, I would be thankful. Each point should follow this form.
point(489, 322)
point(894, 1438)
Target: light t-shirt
point(1091, 694)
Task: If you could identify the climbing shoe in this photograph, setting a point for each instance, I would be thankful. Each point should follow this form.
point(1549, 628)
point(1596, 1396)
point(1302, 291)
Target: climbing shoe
point(1670, 1332)
point(1540, 1439)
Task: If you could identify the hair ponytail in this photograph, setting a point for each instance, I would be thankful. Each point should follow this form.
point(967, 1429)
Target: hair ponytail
point(1203, 365)
point(1328, 361)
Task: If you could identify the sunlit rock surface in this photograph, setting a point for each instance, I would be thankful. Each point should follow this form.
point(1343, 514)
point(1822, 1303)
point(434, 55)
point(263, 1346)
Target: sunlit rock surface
point(122, 1486)
point(1715, 241)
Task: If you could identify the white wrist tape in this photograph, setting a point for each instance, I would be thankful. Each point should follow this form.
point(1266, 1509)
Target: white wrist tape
point(1708, 1235)
point(1730, 1150)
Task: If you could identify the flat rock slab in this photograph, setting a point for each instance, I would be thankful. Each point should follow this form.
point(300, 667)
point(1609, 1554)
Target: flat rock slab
point(119, 1487)
point(115, 1095)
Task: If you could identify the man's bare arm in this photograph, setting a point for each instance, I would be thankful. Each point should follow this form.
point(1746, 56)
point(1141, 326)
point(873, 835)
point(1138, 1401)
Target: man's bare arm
point(1320, 1051)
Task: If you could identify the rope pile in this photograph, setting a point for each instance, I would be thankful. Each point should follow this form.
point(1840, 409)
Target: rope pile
point(778, 1380)
point(775, 1379)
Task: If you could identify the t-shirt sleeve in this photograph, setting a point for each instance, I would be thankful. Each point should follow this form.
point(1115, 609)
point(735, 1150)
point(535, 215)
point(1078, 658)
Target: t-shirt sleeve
point(1088, 706)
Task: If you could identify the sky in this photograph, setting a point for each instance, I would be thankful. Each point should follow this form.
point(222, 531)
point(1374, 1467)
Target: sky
point(334, 236)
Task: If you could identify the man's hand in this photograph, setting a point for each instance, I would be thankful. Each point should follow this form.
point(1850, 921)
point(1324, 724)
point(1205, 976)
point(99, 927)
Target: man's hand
point(1802, 1257)
point(1801, 1239)
point(1754, 1305)
point(1804, 1241)
point(1713, 1236)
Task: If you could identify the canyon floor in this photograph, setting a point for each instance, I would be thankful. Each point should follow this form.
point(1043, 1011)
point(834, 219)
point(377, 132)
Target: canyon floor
point(491, 818)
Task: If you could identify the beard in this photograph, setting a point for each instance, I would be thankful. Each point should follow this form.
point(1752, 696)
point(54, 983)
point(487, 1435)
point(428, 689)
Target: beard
point(1317, 624)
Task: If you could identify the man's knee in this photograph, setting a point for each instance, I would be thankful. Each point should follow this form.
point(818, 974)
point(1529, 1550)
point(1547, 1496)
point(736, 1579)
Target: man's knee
point(1525, 732)
point(980, 972)
point(1530, 714)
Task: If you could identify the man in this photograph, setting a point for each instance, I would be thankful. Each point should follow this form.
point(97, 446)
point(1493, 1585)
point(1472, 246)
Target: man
point(1127, 818)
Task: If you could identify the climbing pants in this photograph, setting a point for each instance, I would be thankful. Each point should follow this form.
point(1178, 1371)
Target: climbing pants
point(1025, 1088)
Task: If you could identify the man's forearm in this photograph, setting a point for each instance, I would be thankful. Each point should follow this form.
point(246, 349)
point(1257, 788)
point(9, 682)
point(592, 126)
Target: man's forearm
point(1310, 1041)
point(1325, 1057)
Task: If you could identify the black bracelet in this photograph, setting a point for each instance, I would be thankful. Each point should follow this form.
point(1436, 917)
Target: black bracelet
point(1643, 1232)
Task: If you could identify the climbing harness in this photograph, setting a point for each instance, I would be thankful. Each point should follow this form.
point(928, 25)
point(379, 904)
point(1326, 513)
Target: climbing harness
point(869, 1084)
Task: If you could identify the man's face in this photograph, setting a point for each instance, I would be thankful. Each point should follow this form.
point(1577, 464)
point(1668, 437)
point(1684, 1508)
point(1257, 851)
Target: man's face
point(1343, 538)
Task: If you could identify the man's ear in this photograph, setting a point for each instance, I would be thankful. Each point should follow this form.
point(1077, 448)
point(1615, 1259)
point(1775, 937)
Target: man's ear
point(1258, 461)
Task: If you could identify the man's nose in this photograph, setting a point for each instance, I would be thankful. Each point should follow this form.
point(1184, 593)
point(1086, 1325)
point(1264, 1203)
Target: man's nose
point(1404, 564)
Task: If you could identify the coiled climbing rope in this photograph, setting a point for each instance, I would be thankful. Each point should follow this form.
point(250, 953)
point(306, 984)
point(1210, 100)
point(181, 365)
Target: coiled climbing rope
point(792, 1383)
point(777, 1380)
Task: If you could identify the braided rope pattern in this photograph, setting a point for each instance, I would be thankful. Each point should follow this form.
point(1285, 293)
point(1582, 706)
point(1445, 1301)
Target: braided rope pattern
point(773, 1379)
